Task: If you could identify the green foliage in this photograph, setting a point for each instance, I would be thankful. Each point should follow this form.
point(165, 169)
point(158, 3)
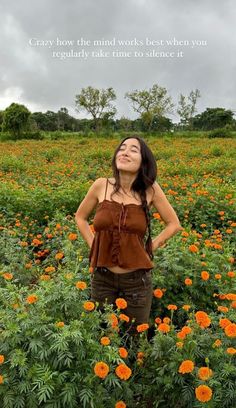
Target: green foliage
point(15, 119)
point(213, 118)
point(51, 346)
point(218, 133)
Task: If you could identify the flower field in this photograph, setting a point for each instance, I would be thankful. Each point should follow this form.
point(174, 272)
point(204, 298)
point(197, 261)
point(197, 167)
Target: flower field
point(57, 349)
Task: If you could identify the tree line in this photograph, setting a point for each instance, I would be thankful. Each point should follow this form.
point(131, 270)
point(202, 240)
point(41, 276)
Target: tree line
point(152, 106)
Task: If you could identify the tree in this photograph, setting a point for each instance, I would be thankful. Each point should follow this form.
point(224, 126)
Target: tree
point(213, 118)
point(150, 103)
point(97, 103)
point(187, 109)
point(15, 119)
point(1, 119)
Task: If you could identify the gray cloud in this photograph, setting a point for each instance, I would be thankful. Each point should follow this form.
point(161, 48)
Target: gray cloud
point(30, 75)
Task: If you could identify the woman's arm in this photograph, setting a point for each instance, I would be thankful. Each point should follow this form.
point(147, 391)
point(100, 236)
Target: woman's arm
point(84, 210)
point(167, 214)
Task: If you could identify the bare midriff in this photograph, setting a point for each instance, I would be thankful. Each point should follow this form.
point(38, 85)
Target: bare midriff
point(117, 269)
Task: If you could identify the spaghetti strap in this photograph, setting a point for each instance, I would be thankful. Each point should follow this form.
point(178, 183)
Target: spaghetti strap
point(106, 189)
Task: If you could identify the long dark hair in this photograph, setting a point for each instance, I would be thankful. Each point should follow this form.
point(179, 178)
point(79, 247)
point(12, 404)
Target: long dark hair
point(146, 177)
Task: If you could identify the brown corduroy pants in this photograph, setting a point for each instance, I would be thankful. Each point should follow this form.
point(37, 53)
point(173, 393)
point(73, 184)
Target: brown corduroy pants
point(135, 287)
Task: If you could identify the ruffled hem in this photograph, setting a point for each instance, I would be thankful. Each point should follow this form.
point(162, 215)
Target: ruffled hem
point(121, 249)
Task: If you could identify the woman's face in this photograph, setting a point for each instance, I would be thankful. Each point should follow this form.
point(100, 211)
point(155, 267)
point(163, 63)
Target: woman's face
point(128, 157)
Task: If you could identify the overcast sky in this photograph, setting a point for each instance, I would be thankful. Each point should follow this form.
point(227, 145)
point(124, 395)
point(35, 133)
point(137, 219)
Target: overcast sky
point(43, 75)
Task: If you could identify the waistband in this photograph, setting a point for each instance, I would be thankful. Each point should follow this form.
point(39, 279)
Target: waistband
point(135, 272)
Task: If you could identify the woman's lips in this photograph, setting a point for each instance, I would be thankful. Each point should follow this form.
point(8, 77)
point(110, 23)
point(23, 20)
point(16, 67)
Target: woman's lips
point(122, 159)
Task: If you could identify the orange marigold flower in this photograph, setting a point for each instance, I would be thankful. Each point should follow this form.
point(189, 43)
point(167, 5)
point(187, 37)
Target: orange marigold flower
point(32, 298)
point(45, 277)
point(72, 236)
point(59, 255)
point(24, 243)
point(204, 373)
point(205, 275)
point(231, 274)
point(233, 304)
point(230, 296)
point(124, 317)
point(193, 248)
point(113, 320)
point(164, 328)
point(186, 307)
point(172, 307)
point(1, 379)
point(60, 324)
point(91, 227)
point(186, 366)
point(179, 344)
point(156, 215)
point(28, 265)
point(186, 329)
point(218, 276)
point(188, 282)
point(158, 293)
point(203, 393)
point(7, 276)
point(223, 309)
point(181, 335)
point(2, 358)
point(105, 341)
point(15, 305)
point(101, 369)
point(158, 320)
point(217, 343)
point(121, 303)
point(81, 285)
point(88, 306)
point(231, 350)
point(142, 327)
point(166, 320)
point(140, 354)
point(50, 269)
point(120, 404)
point(230, 330)
point(224, 322)
point(123, 371)
point(123, 352)
point(202, 319)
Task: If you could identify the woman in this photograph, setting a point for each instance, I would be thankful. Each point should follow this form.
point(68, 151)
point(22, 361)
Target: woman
point(120, 259)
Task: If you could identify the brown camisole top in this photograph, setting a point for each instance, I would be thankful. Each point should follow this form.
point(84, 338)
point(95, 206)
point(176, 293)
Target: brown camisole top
point(119, 232)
